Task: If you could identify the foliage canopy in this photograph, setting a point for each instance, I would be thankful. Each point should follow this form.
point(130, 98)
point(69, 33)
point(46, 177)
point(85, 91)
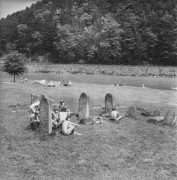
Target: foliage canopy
point(14, 64)
point(95, 31)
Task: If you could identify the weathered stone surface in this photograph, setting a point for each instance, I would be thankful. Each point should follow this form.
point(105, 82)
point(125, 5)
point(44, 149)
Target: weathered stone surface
point(83, 108)
point(156, 113)
point(170, 118)
point(34, 98)
point(131, 112)
point(45, 115)
point(108, 103)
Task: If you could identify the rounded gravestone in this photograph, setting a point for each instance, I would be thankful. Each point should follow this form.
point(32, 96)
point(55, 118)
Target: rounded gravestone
point(45, 115)
point(108, 103)
point(83, 108)
point(34, 98)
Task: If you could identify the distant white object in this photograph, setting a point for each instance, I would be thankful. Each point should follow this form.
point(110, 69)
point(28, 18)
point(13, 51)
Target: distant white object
point(174, 88)
point(157, 118)
point(69, 83)
point(42, 82)
point(143, 86)
point(26, 79)
point(114, 84)
point(51, 84)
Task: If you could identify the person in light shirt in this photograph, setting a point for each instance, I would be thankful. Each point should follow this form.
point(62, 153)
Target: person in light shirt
point(115, 115)
point(35, 106)
point(68, 127)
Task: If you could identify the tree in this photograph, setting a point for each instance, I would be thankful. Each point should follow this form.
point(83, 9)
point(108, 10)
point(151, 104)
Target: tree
point(14, 64)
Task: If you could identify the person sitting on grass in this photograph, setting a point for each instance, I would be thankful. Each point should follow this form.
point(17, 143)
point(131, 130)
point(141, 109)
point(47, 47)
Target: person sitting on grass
point(34, 120)
point(59, 117)
point(115, 115)
point(62, 108)
point(68, 127)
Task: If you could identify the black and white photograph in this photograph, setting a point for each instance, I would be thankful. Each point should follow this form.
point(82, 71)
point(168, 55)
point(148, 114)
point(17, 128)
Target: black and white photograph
point(88, 89)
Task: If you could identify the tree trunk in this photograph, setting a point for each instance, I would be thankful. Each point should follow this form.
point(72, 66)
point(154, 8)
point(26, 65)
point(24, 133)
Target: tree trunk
point(14, 77)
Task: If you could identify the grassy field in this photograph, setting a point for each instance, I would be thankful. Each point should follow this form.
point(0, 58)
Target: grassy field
point(131, 149)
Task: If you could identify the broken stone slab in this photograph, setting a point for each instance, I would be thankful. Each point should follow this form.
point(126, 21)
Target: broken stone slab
point(131, 112)
point(170, 118)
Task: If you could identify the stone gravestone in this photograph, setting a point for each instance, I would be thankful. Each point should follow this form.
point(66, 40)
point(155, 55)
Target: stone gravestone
point(131, 112)
point(108, 103)
point(45, 115)
point(34, 98)
point(83, 109)
point(156, 113)
point(170, 118)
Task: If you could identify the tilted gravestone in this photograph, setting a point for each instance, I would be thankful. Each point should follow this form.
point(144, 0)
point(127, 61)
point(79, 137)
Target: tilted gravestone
point(108, 103)
point(34, 98)
point(83, 109)
point(156, 113)
point(45, 115)
point(131, 112)
point(170, 118)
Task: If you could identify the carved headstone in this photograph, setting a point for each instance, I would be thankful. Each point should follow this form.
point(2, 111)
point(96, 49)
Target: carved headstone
point(45, 115)
point(131, 112)
point(34, 98)
point(170, 118)
point(83, 109)
point(108, 103)
point(156, 113)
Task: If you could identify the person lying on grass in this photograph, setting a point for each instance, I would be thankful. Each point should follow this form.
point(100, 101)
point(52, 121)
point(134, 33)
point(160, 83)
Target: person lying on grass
point(68, 127)
point(115, 115)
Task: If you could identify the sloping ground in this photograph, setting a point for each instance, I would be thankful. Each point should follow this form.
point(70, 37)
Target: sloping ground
point(131, 149)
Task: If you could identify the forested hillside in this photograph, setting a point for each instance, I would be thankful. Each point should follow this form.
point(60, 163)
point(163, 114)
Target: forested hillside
point(95, 31)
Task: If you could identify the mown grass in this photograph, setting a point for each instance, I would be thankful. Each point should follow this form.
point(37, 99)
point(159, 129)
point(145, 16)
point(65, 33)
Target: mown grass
point(131, 149)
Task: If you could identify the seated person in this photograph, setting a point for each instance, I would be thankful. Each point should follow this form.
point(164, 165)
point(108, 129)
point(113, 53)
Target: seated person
point(68, 127)
point(58, 118)
point(115, 115)
point(35, 106)
point(34, 120)
point(61, 107)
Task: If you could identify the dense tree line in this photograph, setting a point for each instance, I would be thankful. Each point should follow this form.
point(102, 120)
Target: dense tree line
point(95, 31)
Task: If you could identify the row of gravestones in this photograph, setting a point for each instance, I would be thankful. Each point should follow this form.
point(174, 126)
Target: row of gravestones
point(46, 107)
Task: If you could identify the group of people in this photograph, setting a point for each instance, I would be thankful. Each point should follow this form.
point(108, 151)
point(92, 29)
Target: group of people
point(61, 117)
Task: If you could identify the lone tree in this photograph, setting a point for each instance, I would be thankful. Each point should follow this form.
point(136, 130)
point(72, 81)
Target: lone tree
point(15, 64)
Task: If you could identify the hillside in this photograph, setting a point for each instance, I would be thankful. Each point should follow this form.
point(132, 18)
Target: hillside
point(94, 31)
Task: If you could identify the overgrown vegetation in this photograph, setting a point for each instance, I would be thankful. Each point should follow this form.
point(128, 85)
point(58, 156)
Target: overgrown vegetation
point(97, 32)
